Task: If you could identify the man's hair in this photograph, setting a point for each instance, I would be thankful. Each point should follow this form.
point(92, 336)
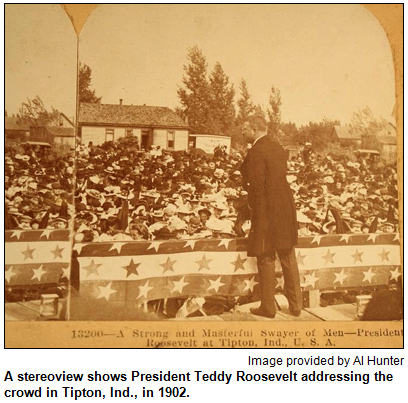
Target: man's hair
point(257, 122)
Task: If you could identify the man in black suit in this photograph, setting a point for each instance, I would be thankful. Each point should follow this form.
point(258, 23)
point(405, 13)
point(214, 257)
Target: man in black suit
point(273, 217)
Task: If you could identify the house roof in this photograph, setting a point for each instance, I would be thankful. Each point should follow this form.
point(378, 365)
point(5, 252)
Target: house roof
point(67, 119)
point(129, 115)
point(61, 131)
point(343, 133)
point(10, 123)
point(390, 140)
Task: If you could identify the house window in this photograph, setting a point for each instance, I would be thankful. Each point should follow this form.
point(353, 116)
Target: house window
point(110, 135)
point(129, 132)
point(170, 139)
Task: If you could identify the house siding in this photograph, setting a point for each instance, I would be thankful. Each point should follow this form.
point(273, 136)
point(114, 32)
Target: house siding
point(160, 138)
point(96, 134)
point(69, 141)
point(180, 139)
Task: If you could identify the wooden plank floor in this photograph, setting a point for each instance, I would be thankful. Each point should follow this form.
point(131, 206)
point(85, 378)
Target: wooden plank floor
point(345, 312)
point(22, 311)
point(243, 311)
point(29, 311)
point(25, 311)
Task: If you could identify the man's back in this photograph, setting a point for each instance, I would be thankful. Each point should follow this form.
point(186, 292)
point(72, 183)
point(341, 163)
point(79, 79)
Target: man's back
point(274, 223)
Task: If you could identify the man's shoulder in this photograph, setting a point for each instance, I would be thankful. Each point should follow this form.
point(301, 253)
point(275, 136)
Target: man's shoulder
point(267, 143)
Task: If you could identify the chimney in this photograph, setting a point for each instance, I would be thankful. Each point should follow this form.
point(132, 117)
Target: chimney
point(120, 101)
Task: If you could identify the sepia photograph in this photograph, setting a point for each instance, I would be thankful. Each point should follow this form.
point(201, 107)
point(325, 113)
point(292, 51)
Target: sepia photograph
point(215, 168)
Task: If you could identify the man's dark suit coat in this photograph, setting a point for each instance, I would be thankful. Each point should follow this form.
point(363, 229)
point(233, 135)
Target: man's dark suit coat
point(270, 198)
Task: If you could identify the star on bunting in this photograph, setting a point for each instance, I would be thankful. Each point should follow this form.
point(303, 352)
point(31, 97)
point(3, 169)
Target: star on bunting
point(204, 263)
point(328, 258)
point(92, 268)
point(395, 274)
point(38, 273)
point(57, 252)
point(310, 279)
point(224, 242)
point(372, 237)
point(116, 246)
point(131, 268)
point(154, 245)
point(168, 265)
point(300, 258)
point(78, 247)
point(190, 243)
point(9, 274)
point(357, 256)
point(17, 234)
point(384, 255)
point(368, 275)
point(345, 237)
point(279, 282)
point(250, 284)
point(46, 233)
point(317, 239)
point(340, 277)
point(397, 237)
point(28, 253)
point(215, 284)
point(144, 289)
point(105, 292)
point(179, 285)
point(66, 272)
point(239, 263)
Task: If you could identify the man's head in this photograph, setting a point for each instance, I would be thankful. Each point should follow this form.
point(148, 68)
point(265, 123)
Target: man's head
point(254, 127)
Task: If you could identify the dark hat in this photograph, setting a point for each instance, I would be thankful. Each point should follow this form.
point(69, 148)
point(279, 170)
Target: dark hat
point(205, 211)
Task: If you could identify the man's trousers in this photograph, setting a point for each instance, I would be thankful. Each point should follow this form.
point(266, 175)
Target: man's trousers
point(267, 280)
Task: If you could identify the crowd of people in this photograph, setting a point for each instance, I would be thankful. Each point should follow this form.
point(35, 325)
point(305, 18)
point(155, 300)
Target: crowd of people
point(121, 193)
point(39, 187)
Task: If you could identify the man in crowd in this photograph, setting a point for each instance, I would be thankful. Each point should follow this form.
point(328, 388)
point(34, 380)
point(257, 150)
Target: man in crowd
point(274, 227)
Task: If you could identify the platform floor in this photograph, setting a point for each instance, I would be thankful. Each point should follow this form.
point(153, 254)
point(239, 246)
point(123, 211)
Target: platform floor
point(29, 311)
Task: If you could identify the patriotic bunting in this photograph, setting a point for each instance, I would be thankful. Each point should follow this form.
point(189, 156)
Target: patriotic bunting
point(144, 271)
point(37, 257)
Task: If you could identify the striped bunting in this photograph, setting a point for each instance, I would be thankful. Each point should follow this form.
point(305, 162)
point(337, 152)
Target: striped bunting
point(142, 271)
point(35, 257)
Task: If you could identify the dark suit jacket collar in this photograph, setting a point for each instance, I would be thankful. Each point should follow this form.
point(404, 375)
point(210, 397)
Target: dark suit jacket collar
point(261, 142)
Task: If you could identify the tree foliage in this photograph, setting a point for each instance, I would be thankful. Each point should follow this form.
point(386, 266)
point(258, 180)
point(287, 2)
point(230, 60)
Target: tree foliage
point(274, 113)
point(195, 96)
point(222, 110)
point(245, 105)
point(33, 113)
point(364, 123)
point(86, 94)
point(319, 134)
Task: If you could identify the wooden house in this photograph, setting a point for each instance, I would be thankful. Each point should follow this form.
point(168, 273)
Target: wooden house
point(151, 125)
point(345, 137)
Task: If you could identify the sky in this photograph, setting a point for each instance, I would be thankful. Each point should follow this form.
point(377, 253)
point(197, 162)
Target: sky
point(327, 60)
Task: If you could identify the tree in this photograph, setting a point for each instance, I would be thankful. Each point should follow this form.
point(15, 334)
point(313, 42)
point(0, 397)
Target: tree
point(195, 97)
point(365, 123)
point(274, 113)
point(33, 113)
point(85, 81)
point(290, 132)
point(245, 105)
point(369, 128)
point(319, 134)
point(222, 111)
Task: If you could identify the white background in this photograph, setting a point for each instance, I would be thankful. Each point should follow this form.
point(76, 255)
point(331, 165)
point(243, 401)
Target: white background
point(125, 361)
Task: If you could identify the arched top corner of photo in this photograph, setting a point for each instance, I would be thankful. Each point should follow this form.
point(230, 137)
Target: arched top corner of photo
point(78, 15)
